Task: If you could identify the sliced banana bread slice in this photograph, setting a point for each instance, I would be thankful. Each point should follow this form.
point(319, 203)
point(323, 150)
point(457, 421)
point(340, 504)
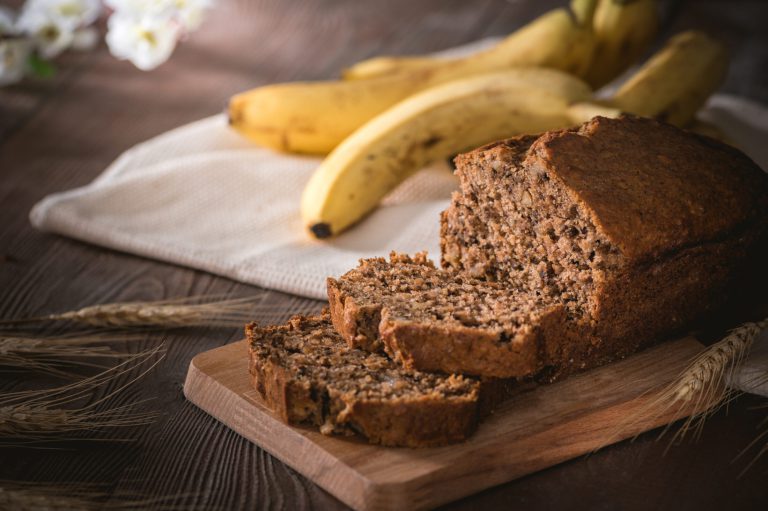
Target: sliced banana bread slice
point(436, 320)
point(308, 375)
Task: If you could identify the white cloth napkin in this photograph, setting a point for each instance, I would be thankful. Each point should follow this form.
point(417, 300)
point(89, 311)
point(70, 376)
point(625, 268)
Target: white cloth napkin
point(202, 197)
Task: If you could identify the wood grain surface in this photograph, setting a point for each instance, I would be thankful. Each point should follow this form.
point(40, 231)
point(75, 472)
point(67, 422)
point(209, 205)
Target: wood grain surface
point(59, 134)
point(537, 428)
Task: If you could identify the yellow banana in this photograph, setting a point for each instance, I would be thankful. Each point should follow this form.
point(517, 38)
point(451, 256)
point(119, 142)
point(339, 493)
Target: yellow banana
point(675, 82)
point(314, 117)
point(428, 126)
point(554, 39)
point(672, 85)
point(624, 29)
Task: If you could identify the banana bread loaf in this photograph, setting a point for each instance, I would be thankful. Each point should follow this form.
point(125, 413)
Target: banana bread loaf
point(564, 251)
point(639, 227)
point(308, 375)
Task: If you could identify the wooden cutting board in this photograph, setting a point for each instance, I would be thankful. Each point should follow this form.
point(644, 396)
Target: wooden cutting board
point(536, 429)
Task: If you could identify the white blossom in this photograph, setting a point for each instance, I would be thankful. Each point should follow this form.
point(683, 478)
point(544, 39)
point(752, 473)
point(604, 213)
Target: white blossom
point(13, 60)
point(189, 13)
point(147, 41)
point(192, 12)
point(144, 32)
point(51, 34)
point(74, 13)
point(142, 7)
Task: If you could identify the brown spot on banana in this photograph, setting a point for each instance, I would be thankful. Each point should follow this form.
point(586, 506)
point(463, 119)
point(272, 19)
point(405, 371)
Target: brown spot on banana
point(435, 139)
point(321, 230)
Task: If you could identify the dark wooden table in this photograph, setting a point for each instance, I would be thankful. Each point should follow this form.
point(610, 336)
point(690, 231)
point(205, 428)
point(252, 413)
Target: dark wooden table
point(59, 134)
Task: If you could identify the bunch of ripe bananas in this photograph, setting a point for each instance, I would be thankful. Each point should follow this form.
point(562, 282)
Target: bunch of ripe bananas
point(390, 116)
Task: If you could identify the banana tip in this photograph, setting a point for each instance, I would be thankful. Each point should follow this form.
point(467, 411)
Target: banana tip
point(321, 230)
point(233, 111)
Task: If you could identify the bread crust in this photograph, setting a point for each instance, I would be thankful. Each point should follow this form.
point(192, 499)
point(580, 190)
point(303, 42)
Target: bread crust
point(357, 324)
point(460, 350)
point(652, 188)
point(425, 422)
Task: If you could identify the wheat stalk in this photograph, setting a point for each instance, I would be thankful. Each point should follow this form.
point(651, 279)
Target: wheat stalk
point(49, 354)
point(38, 415)
point(704, 384)
point(718, 362)
point(700, 390)
point(183, 312)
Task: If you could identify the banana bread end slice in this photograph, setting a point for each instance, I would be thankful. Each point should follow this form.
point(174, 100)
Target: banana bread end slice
point(308, 375)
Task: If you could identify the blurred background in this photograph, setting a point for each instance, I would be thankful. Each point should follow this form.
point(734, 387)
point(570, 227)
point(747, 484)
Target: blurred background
point(61, 132)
